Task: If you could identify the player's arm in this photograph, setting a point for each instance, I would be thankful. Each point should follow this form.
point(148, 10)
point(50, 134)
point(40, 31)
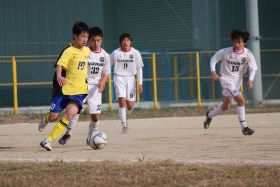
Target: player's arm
point(217, 57)
point(60, 79)
point(105, 74)
point(102, 82)
point(140, 65)
point(250, 84)
point(252, 70)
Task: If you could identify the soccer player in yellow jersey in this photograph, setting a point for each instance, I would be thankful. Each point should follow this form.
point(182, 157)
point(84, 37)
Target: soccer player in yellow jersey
point(69, 84)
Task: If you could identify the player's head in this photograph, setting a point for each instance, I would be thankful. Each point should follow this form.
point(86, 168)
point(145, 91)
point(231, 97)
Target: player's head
point(80, 33)
point(95, 38)
point(125, 40)
point(239, 38)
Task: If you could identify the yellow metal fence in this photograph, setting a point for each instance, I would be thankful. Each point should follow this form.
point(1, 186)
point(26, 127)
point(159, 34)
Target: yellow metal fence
point(153, 58)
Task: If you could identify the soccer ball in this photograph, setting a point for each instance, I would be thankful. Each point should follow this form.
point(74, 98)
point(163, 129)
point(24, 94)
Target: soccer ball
point(98, 140)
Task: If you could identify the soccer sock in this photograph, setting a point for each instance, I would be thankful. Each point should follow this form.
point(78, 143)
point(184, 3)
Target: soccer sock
point(73, 121)
point(122, 115)
point(93, 126)
point(58, 129)
point(215, 112)
point(240, 110)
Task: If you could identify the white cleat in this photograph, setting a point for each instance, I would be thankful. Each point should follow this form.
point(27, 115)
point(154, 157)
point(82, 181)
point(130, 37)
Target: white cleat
point(46, 145)
point(43, 123)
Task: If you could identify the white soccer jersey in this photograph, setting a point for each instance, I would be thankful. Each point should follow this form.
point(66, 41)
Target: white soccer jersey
point(126, 63)
point(233, 65)
point(99, 64)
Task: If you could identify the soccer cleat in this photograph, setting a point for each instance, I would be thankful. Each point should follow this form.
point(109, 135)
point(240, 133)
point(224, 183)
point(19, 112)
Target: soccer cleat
point(124, 130)
point(247, 131)
point(64, 138)
point(43, 123)
point(207, 121)
point(46, 145)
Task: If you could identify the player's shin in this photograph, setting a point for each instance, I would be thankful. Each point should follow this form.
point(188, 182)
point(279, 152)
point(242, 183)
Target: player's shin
point(215, 112)
point(240, 110)
point(72, 123)
point(58, 129)
point(122, 116)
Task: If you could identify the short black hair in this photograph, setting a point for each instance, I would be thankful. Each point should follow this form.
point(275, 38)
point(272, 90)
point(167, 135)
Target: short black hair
point(95, 31)
point(240, 34)
point(125, 35)
point(80, 27)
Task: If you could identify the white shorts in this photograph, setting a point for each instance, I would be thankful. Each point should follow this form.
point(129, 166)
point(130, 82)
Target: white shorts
point(125, 87)
point(231, 87)
point(94, 99)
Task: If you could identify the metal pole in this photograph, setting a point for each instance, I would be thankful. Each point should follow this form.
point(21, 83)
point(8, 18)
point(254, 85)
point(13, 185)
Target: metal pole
point(198, 80)
point(252, 21)
point(155, 80)
point(175, 66)
point(15, 84)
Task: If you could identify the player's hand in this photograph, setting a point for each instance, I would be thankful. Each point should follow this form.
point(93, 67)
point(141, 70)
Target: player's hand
point(61, 81)
point(250, 84)
point(214, 76)
point(101, 87)
point(140, 88)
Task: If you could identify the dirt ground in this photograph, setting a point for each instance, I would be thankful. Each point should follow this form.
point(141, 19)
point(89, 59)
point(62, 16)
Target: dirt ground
point(180, 139)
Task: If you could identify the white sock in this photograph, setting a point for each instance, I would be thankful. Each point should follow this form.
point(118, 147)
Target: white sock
point(122, 115)
point(240, 110)
point(73, 121)
point(215, 112)
point(93, 126)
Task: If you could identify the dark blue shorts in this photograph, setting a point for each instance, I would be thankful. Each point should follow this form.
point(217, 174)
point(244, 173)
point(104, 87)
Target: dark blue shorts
point(59, 103)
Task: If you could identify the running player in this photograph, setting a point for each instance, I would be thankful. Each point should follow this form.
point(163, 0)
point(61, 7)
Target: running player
point(127, 63)
point(69, 84)
point(234, 63)
point(99, 69)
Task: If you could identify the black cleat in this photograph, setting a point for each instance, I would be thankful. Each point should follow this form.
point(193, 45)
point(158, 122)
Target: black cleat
point(248, 131)
point(207, 121)
point(64, 138)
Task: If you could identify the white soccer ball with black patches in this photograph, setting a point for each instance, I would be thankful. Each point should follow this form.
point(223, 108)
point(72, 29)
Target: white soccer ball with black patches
point(98, 140)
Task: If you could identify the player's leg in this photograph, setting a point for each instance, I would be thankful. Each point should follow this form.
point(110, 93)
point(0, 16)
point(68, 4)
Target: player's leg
point(240, 110)
point(93, 125)
point(216, 111)
point(53, 115)
point(73, 106)
point(95, 107)
point(120, 91)
point(48, 117)
point(68, 133)
point(131, 94)
point(63, 140)
point(122, 112)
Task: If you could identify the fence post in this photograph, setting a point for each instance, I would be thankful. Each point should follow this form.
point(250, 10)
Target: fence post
point(15, 84)
point(191, 75)
point(198, 80)
point(155, 81)
point(175, 66)
point(110, 93)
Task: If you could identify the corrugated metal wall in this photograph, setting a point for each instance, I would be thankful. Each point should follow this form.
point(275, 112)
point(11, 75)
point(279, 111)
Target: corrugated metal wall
point(43, 27)
point(37, 27)
point(155, 25)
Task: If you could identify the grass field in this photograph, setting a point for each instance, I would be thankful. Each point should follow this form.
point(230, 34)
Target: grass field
point(166, 173)
point(159, 150)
